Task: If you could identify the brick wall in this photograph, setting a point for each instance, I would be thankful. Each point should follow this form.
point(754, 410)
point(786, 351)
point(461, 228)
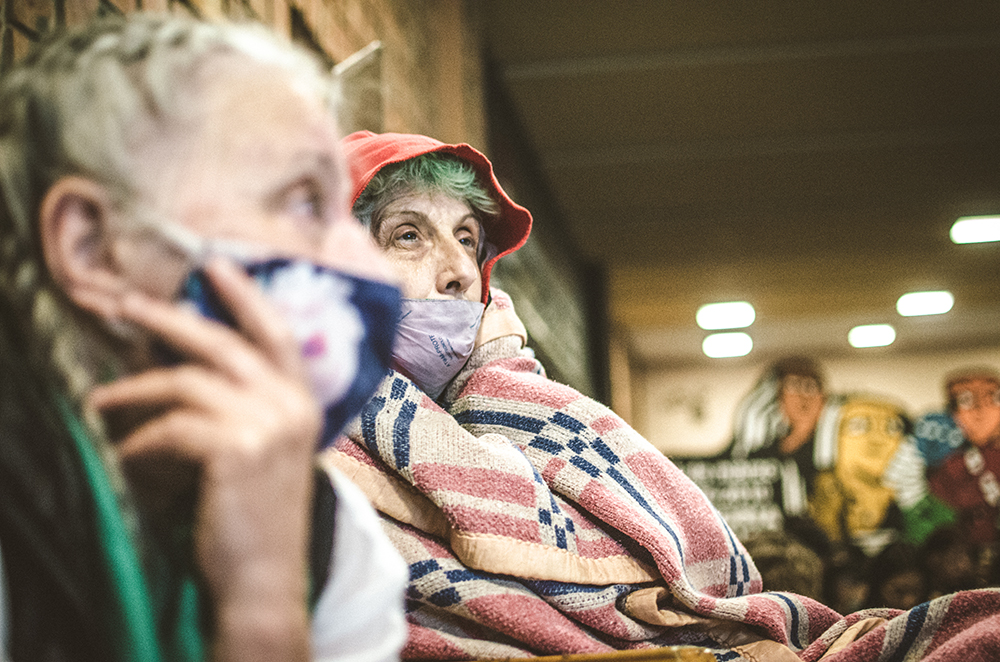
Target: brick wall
point(425, 77)
point(429, 75)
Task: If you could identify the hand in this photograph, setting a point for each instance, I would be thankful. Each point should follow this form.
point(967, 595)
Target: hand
point(240, 413)
point(500, 320)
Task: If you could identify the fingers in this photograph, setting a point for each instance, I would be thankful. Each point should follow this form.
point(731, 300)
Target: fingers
point(267, 409)
point(254, 315)
point(207, 421)
point(261, 335)
point(204, 341)
point(251, 384)
point(160, 388)
point(175, 436)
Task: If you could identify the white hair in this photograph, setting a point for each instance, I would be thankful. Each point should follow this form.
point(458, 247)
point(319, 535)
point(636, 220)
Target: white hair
point(85, 103)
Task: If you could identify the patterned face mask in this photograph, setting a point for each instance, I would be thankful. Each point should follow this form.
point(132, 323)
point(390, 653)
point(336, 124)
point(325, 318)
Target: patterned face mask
point(435, 339)
point(344, 324)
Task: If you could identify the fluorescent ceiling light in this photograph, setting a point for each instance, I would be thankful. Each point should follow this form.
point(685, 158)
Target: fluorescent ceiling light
point(912, 304)
point(725, 315)
point(725, 345)
point(871, 335)
point(976, 229)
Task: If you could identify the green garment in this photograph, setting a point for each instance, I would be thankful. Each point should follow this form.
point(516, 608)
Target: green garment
point(925, 517)
point(134, 619)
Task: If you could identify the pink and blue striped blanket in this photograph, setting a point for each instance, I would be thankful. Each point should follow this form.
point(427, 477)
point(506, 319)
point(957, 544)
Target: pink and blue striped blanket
point(535, 521)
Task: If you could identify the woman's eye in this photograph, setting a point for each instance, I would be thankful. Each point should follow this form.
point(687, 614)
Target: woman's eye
point(406, 236)
point(304, 201)
point(467, 237)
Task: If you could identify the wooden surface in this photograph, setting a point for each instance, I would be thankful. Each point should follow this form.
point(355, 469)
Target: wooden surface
point(668, 654)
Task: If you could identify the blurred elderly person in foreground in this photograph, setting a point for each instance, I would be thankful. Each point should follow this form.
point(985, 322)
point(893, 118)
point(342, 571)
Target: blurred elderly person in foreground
point(534, 520)
point(160, 495)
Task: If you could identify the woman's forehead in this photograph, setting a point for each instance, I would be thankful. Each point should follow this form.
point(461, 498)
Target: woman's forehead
point(255, 133)
point(260, 113)
point(426, 197)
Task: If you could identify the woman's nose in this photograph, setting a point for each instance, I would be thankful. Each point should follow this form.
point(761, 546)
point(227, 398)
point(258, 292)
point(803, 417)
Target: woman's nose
point(350, 247)
point(458, 271)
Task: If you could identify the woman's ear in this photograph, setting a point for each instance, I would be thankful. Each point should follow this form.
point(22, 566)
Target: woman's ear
point(76, 243)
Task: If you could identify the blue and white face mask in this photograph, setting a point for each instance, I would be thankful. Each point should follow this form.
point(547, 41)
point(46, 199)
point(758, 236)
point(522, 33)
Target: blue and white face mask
point(344, 324)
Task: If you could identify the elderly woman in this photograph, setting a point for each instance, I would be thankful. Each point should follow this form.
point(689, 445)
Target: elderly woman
point(443, 221)
point(157, 467)
point(533, 519)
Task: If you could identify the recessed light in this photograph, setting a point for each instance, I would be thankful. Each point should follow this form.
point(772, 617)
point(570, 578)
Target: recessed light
point(725, 315)
point(726, 345)
point(871, 335)
point(976, 229)
point(937, 302)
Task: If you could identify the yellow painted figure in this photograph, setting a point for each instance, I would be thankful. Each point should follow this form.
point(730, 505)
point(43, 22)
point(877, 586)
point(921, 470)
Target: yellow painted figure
point(850, 499)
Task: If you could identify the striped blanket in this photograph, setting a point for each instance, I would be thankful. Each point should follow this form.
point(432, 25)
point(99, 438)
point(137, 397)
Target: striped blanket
point(535, 521)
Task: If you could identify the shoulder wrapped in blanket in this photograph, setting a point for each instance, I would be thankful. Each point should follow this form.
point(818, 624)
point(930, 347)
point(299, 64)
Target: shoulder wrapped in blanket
point(535, 521)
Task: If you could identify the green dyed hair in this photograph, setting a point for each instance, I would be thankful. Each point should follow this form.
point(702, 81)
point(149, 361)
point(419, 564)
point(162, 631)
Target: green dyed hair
point(427, 173)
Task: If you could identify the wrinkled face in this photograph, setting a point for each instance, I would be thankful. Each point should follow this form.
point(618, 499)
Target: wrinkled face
point(430, 240)
point(977, 409)
point(261, 167)
point(870, 433)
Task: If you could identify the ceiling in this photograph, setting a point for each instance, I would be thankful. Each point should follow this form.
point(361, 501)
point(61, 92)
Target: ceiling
point(807, 157)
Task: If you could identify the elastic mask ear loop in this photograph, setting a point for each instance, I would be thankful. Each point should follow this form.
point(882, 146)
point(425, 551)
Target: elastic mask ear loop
point(198, 249)
point(190, 246)
point(177, 238)
point(183, 243)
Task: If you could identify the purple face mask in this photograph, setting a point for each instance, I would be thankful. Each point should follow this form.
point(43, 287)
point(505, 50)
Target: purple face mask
point(434, 339)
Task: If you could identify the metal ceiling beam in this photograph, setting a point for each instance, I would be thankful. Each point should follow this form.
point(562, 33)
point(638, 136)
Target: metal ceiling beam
point(711, 150)
point(757, 54)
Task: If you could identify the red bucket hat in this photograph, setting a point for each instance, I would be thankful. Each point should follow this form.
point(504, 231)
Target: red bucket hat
point(368, 152)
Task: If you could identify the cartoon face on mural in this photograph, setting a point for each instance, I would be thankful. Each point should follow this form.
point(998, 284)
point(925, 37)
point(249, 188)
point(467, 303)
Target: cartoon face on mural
point(975, 404)
point(851, 498)
point(801, 401)
point(870, 433)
